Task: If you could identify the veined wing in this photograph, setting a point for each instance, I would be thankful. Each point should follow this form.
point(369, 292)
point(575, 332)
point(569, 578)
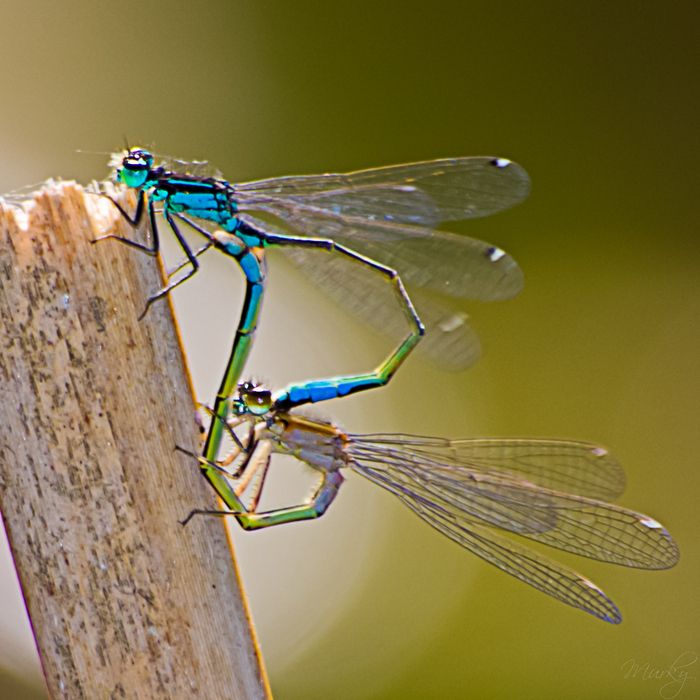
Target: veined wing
point(196, 168)
point(422, 193)
point(528, 566)
point(570, 466)
point(541, 572)
point(20, 195)
point(455, 265)
point(583, 526)
point(449, 341)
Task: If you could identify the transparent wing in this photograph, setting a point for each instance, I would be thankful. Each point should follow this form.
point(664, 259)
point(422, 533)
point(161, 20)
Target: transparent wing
point(569, 522)
point(455, 265)
point(528, 566)
point(422, 193)
point(572, 466)
point(195, 168)
point(582, 526)
point(449, 341)
point(20, 195)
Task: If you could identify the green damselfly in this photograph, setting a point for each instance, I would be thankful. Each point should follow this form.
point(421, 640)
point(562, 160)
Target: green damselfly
point(479, 492)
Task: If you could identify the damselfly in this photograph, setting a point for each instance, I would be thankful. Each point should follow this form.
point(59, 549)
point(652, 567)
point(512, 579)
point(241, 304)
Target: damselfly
point(381, 218)
point(385, 214)
point(478, 492)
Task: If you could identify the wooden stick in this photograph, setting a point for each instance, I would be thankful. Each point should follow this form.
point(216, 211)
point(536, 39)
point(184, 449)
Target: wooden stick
point(124, 602)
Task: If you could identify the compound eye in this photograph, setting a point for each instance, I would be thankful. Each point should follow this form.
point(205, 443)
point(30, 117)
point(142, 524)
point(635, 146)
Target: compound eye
point(138, 159)
point(258, 401)
point(134, 163)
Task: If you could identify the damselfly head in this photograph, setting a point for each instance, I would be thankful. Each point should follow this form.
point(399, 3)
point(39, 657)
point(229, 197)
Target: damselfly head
point(252, 399)
point(132, 167)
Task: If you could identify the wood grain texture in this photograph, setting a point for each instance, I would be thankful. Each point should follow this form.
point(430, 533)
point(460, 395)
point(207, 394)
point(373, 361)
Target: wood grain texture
point(124, 601)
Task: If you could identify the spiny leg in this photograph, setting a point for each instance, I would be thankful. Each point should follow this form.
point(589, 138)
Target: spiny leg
point(259, 456)
point(216, 474)
point(155, 248)
point(260, 459)
point(230, 426)
point(315, 508)
point(200, 229)
point(213, 465)
point(136, 219)
point(185, 261)
point(135, 222)
point(192, 258)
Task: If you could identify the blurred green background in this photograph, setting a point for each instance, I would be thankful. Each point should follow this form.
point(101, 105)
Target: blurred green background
point(599, 101)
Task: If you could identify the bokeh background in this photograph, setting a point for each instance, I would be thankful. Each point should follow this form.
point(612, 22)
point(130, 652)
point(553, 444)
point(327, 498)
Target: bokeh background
point(599, 101)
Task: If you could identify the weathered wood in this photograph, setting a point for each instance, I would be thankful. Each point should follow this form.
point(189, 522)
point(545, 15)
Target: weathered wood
point(124, 602)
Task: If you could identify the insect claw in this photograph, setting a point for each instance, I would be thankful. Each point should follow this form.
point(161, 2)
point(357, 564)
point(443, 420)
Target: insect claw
point(142, 315)
point(203, 511)
point(184, 450)
point(150, 301)
point(187, 519)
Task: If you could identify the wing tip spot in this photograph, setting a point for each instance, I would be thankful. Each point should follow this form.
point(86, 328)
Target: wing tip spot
point(651, 523)
point(495, 254)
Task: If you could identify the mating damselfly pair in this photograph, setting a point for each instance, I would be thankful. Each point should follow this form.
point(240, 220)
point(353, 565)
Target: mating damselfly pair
point(477, 492)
